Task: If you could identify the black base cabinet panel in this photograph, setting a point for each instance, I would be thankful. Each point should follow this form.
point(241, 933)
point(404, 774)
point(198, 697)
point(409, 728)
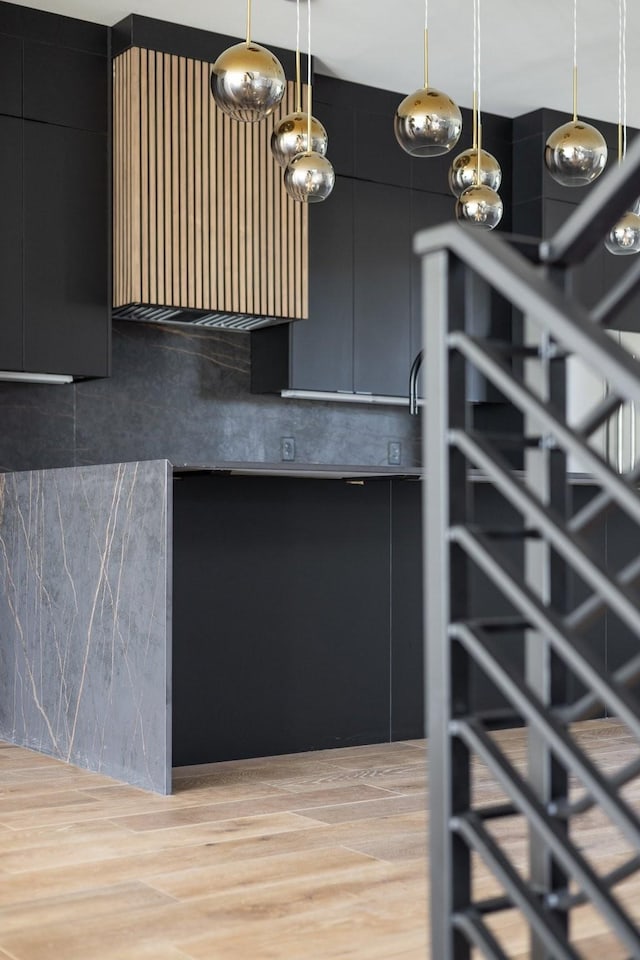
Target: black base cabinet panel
point(281, 616)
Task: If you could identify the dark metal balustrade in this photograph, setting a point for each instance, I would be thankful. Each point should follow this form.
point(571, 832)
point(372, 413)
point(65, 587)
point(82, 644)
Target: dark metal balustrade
point(551, 676)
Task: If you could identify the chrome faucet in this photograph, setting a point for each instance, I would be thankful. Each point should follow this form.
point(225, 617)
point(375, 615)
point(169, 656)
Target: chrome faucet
point(413, 383)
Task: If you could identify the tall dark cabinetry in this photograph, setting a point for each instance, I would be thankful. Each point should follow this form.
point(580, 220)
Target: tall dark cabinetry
point(54, 233)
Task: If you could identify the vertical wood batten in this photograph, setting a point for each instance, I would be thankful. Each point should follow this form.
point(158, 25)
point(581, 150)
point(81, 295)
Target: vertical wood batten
point(202, 219)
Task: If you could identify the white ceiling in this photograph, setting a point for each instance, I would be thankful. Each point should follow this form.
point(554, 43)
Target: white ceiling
point(526, 44)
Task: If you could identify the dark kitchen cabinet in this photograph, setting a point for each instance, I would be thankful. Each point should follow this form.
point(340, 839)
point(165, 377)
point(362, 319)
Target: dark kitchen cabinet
point(11, 52)
point(11, 244)
point(66, 326)
point(65, 87)
point(382, 289)
point(322, 346)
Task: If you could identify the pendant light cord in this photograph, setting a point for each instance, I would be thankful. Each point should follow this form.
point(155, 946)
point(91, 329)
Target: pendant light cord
point(309, 144)
point(478, 84)
point(575, 60)
point(426, 43)
point(475, 77)
point(248, 21)
point(624, 78)
point(298, 71)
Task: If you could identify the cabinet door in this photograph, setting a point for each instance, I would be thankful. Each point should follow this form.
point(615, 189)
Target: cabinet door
point(11, 244)
point(11, 76)
point(66, 312)
point(322, 346)
point(382, 289)
point(65, 87)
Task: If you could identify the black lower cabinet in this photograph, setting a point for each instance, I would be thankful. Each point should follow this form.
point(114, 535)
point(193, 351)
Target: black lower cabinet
point(11, 327)
point(66, 316)
point(280, 616)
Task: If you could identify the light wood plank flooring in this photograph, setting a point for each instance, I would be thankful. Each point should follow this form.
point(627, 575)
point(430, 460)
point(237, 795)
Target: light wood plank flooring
point(309, 857)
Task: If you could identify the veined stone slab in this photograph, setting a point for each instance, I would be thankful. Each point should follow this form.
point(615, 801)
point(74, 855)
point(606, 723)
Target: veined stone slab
point(85, 617)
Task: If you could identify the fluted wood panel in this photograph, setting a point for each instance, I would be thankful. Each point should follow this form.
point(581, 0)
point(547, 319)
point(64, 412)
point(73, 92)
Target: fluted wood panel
point(201, 217)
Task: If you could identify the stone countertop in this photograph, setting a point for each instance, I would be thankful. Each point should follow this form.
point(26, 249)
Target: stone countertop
point(295, 469)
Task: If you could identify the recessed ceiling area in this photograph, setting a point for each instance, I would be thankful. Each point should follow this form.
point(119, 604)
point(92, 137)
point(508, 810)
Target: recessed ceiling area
point(526, 46)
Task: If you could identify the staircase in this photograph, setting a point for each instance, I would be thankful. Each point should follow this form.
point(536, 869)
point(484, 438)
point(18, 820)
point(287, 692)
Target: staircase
point(545, 628)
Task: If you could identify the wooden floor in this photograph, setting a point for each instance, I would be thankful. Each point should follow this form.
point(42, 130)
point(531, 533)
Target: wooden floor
point(308, 857)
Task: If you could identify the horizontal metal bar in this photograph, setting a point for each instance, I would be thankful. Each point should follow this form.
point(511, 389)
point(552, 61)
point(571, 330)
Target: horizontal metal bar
point(485, 653)
point(527, 401)
point(497, 811)
point(568, 645)
point(617, 780)
point(492, 904)
point(15, 376)
point(617, 297)
point(564, 851)
point(478, 934)
point(597, 417)
point(542, 921)
point(592, 219)
point(578, 554)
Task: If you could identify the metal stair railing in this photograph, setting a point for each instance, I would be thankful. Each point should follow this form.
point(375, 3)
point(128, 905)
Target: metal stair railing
point(551, 677)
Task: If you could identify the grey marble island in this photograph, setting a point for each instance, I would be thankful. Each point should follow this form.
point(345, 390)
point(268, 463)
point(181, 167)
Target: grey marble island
point(86, 605)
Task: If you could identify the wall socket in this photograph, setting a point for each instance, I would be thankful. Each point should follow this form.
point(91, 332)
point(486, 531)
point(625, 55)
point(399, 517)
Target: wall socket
point(394, 453)
point(287, 448)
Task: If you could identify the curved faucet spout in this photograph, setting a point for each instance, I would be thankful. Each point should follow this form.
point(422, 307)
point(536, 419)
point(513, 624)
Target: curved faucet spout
point(413, 383)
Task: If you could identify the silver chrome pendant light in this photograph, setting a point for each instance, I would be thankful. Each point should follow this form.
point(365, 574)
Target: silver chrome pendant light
point(624, 237)
point(247, 80)
point(290, 135)
point(309, 177)
point(463, 172)
point(427, 123)
point(575, 153)
point(478, 204)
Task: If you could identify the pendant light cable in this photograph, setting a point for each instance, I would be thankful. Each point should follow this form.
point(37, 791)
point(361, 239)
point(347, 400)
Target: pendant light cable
point(624, 78)
point(309, 76)
point(426, 44)
point(478, 46)
point(575, 60)
point(298, 71)
point(248, 21)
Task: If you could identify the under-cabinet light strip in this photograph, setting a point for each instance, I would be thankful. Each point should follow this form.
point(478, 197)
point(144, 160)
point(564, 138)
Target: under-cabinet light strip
point(17, 377)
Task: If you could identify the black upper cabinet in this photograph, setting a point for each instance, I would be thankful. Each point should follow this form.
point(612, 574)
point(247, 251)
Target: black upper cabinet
point(54, 294)
point(11, 52)
point(322, 346)
point(65, 87)
point(382, 289)
point(65, 242)
point(11, 329)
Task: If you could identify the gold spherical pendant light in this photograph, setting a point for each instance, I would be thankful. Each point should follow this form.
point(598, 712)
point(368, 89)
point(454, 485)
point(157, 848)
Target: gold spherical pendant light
point(247, 80)
point(309, 176)
point(624, 237)
point(478, 203)
point(290, 135)
point(575, 154)
point(427, 123)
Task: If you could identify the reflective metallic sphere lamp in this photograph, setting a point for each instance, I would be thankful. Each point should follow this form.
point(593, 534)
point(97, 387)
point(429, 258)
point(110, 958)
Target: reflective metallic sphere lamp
point(309, 178)
point(290, 137)
point(463, 172)
point(427, 123)
point(624, 237)
point(247, 82)
point(575, 154)
point(479, 207)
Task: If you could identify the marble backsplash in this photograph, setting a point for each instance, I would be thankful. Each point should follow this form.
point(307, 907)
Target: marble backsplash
point(85, 642)
point(182, 393)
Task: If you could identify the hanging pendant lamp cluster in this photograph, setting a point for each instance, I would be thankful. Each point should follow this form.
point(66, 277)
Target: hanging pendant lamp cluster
point(248, 83)
point(624, 237)
point(475, 175)
point(427, 123)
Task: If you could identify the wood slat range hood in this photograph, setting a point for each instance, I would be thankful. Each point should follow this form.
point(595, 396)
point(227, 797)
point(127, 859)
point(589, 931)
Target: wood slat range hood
point(204, 231)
